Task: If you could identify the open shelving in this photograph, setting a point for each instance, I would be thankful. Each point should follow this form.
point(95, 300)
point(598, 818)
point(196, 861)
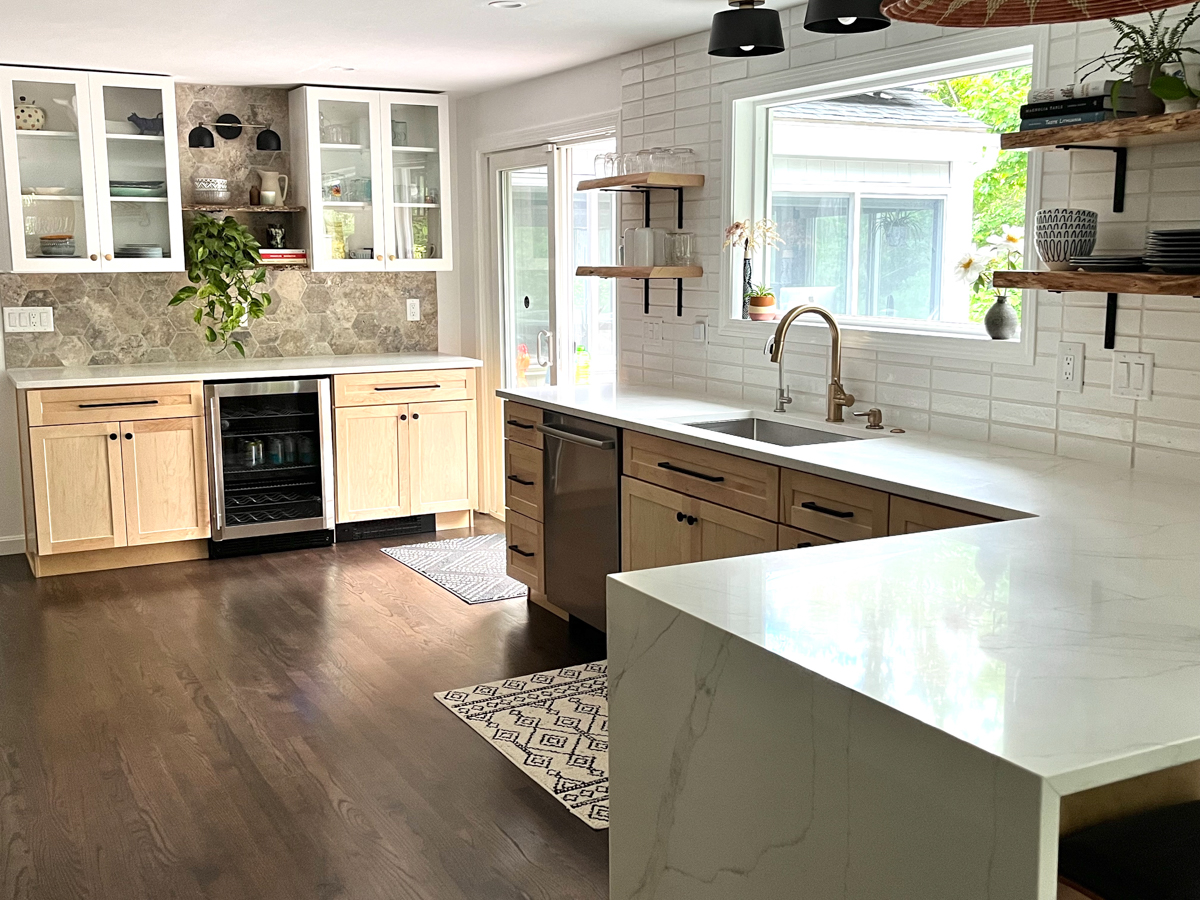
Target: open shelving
point(1138, 131)
point(643, 183)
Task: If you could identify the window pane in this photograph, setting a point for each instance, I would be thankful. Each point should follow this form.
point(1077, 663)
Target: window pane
point(899, 261)
point(593, 242)
point(812, 264)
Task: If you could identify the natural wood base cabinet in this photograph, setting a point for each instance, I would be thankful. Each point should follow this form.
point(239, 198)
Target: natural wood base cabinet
point(405, 459)
point(913, 516)
point(105, 485)
point(665, 528)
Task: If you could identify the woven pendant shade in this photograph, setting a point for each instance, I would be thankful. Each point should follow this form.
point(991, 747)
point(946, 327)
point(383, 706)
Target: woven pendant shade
point(1005, 13)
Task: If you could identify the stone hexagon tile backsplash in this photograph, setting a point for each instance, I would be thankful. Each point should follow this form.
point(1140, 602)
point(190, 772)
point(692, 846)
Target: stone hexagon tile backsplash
point(124, 318)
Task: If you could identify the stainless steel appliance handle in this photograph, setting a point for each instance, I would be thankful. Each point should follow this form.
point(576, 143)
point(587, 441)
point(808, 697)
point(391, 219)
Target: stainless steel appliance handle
point(216, 492)
point(549, 341)
point(573, 438)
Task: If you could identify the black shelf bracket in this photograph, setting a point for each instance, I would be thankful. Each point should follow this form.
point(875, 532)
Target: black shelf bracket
point(1110, 323)
point(1118, 173)
point(645, 192)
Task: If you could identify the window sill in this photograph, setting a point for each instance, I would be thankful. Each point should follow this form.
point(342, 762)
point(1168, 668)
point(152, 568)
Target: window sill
point(978, 347)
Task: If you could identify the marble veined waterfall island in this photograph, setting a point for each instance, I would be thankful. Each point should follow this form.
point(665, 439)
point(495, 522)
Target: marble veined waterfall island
point(915, 717)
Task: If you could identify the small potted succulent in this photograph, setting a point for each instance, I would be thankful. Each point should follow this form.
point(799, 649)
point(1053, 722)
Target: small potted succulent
point(762, 303)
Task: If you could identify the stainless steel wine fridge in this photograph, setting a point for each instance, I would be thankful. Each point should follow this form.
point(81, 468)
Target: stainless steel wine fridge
point(271, 471)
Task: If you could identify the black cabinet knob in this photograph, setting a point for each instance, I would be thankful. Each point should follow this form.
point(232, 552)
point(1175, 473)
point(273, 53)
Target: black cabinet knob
point(404, 418)
point(679, 517)
point(416, 416)
point(128, 436)
point(112, 437)
point(692, 520)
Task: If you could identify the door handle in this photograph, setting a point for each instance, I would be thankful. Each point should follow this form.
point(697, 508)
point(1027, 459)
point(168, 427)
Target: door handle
point(521, 481)
point(117, 403)
point(573, 438)
point(517, 550)
point(410, 387)
point(549, 344)
point(826, 511)
point(515, 424)
point(670, 467)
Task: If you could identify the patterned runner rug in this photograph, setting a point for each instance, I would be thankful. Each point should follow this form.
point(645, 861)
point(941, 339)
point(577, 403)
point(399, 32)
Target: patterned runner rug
point(474, 569)
point(553, 726)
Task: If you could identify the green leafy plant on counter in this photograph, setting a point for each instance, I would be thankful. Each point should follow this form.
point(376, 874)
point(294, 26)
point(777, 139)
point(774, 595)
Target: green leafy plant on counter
point(227, 276)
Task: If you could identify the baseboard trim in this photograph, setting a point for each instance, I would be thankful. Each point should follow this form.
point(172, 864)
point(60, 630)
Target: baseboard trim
point(11, 544)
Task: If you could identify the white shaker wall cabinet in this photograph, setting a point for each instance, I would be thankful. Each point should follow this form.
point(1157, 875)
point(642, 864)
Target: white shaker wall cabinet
point(84, 190)
point(373, 168)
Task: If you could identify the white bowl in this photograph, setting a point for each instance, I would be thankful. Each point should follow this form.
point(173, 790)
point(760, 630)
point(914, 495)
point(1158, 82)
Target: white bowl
point(219, 197)
point(1061, 233)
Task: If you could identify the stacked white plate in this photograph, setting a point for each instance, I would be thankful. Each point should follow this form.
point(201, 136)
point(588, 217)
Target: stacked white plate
point(1174, 251)
point(1101, 263)
point(139, 251)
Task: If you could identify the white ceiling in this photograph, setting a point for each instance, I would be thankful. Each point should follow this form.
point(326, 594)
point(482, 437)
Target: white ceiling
point(447, 45)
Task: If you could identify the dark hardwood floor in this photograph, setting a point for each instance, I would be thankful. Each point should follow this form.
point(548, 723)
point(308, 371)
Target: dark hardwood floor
point(265, 728)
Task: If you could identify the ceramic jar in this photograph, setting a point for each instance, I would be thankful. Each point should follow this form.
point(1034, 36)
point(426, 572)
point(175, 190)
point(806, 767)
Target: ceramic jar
point(1001, 321)
point(29, 117)
point(1062, 233)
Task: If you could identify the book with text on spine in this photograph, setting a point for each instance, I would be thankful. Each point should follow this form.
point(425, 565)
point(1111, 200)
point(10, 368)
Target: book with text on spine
point(1084, 118)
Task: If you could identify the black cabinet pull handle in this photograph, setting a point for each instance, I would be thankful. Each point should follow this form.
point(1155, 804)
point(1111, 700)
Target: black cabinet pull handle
point(692, 520)
point(112, 437)
point(517, 550)
point(670, 467)
point(410, 387)
point(825, 510)
point(521, 425)
point(118, 403)
point(128, 436)
point(679, 517)
point(519, 480)
point(803, 544)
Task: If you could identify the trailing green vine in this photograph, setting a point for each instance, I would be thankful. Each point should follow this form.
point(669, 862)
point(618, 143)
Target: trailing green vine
point(227, 278)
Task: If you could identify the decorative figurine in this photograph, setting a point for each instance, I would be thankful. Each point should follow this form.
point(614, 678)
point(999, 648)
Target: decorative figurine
point(276, 237)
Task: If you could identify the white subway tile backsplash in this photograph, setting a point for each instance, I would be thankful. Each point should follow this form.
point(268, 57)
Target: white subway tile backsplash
point(890, 373)
point(1022, 438)
point(1023, 414)
point(961, 382)
point(1105, 452)
point(1173, 437)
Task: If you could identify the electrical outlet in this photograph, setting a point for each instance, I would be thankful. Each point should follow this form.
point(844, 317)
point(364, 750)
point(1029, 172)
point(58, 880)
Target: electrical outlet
point(29, 318)
point(1133, 375)
point(652, 331)
point(414, 309)
point(700, 331)
point(1069, 374)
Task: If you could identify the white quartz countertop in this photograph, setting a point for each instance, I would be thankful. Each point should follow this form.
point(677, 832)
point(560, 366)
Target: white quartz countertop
point(1065, 641)
point(235, 369)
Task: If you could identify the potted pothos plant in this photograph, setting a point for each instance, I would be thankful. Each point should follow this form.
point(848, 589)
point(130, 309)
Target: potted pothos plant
point(228, 280)
point(1140, 53)
point(750, 236)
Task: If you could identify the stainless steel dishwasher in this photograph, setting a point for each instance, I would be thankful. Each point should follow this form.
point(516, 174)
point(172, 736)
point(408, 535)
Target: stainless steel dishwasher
point(582, 484)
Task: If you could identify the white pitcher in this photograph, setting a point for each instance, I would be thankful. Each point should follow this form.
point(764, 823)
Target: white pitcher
point(273, 181)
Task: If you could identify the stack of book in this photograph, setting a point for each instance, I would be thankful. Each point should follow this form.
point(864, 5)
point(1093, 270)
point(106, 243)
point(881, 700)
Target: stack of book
point(1077, 104)
point(283, 257)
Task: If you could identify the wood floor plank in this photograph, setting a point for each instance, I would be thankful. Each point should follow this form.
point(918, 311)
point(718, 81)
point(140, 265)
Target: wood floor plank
point(265, 727)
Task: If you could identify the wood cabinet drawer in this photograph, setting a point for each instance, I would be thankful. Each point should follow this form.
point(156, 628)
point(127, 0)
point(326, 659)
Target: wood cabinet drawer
point(127, 403)
point(742, 484)
point(523, 479)
point(521, 422)
point(913, 516)
point(526, 559)
point(832, 509)
point(794, 538)
point(381, 388)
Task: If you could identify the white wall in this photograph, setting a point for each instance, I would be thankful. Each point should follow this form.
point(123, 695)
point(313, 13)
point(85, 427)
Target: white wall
point(519, 115)
point(671, 95)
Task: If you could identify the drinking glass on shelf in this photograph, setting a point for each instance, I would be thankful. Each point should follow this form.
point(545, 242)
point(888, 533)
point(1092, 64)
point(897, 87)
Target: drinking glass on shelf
point(661, 160)
point(629, 163)
point(680, 248)
point(612, 163)
point(600, 165)
point(645, 160)
point(684, 160)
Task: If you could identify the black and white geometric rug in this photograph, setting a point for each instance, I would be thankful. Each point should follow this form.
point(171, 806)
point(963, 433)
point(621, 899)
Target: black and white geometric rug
point(553, 726)
point(474, 569)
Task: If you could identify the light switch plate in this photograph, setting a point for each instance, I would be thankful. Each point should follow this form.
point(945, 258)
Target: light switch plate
point(1133, 375)
point(652, 331)
point(414, 309)
point(1068, 376)
point(29, 318)
point(700, 331)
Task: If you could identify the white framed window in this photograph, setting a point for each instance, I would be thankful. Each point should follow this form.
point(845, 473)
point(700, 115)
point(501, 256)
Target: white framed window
point(879, 177)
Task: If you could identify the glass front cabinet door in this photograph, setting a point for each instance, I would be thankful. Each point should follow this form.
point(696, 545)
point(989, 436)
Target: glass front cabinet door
point(90, 173)
point(371, 165)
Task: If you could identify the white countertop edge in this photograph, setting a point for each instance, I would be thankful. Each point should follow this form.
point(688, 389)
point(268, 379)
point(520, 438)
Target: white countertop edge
point(235, 370)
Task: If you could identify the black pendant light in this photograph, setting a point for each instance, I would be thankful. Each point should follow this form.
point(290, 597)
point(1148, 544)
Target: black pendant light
point(201, 138)
point(268, 140)
point(746, 31)
point(844, 16)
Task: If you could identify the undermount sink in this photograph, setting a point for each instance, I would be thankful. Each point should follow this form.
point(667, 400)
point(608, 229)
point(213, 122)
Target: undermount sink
point(771, 432)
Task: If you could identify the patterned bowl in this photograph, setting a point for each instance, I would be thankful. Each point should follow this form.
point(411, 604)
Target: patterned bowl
point(210, 184)
point(1062, 233)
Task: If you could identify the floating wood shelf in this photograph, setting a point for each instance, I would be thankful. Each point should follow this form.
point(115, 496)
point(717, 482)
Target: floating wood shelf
point(641, 271)
point(1102, 282)
point(1135, 132)
point(643, 180)
point(201, 207)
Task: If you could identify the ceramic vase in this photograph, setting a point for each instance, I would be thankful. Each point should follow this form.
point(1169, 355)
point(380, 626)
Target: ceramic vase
point(1059, 234)
point(1182, 104)
point(1144, 102)
point(1001, 321)
point(747, 285)
point(28, 116)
